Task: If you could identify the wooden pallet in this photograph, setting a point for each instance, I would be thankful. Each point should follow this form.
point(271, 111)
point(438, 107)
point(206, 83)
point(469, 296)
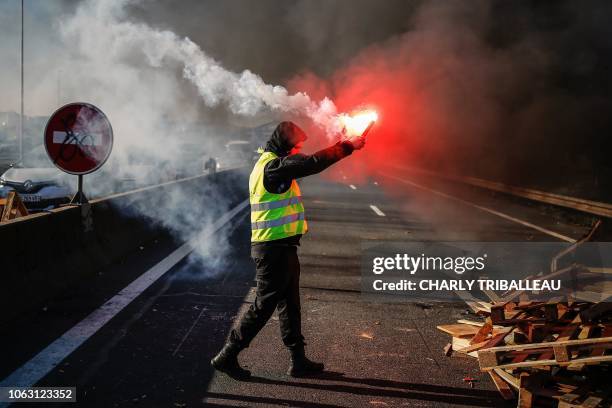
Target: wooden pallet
point(558, 353)
point(553, 353)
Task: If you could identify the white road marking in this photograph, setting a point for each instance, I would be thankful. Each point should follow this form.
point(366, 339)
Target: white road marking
point(486, 209)
point(353, 187)
point(45, 361)
point(377, 210)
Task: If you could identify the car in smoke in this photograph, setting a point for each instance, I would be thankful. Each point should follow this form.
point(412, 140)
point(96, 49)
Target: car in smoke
point(40, 185)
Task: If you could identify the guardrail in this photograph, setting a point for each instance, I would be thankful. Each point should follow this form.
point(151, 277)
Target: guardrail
point(44, 254)
point(578, 204)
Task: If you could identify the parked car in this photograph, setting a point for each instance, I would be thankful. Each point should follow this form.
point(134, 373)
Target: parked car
point(40, 185)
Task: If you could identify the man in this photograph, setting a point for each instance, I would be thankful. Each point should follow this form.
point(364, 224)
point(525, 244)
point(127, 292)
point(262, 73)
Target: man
point(277, 224)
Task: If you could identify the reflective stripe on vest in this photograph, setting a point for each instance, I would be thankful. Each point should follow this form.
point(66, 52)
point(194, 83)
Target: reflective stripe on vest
point(274, 216)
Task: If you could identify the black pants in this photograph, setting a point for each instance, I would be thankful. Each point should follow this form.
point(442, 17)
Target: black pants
point(278, 287)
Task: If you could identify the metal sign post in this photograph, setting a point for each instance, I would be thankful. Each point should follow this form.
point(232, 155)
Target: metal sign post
point(79, 198)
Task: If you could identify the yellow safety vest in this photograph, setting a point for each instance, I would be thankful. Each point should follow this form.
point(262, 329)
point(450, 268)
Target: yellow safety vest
point(274, 216)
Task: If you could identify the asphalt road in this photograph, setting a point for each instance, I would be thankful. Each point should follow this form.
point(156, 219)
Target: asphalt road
point(156, 351)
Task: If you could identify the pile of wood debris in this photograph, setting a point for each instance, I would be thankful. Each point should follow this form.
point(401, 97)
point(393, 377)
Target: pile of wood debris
point(553, 353)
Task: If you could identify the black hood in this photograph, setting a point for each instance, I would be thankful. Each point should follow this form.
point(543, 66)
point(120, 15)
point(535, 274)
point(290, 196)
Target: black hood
point(285, 136)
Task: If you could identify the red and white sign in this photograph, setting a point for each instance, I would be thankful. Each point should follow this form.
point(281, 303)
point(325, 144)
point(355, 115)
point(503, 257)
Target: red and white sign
point(78, 138)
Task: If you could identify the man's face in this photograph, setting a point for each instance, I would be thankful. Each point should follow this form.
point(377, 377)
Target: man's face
point(296, 149)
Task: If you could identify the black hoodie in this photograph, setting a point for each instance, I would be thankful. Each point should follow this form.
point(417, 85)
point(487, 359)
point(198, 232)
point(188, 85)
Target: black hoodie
point(279, 172)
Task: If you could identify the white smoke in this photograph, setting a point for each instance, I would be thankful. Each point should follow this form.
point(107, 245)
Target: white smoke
point(99, 28)
point(136, 74)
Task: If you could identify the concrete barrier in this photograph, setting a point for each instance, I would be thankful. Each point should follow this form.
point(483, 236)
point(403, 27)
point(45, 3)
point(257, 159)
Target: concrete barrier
point(44, 254)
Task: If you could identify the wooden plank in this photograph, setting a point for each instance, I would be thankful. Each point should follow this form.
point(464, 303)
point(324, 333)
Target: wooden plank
point(519, 347)
point(8, 207)
point(480, 324)
point(470, 322)
point(21, 208)
point(585, 332)
point(535, 363)
point(520, 357)
point(13, 208)
point(458, 330)
point(562, 354)
point(525, 399)
point(488, 359)
point(509, 378)
point(494, 341)
point(502, 386)
point(483, 332)
point(448, 350)
point(547, 355)
point(575, 367)
point(459, 344)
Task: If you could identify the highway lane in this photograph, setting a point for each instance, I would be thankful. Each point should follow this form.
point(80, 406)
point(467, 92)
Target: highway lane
point(156, 350)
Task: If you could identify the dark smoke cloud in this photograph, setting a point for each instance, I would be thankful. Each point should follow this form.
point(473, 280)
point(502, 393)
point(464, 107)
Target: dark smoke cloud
point(517, 91)
point(512, 91)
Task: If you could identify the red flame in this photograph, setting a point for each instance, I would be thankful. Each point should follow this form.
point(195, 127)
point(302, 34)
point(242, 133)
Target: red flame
point(356, 124)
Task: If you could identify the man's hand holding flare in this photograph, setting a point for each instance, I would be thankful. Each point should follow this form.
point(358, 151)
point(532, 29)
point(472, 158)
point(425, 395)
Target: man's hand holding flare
point(358, 126)
point(359, 141)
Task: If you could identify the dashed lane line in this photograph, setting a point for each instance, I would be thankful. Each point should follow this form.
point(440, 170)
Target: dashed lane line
point(377, 210)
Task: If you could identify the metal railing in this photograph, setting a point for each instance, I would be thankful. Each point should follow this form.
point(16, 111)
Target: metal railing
point(579, 204)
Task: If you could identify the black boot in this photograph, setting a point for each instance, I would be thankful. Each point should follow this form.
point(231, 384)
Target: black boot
point(227, 362)
point(301, 366)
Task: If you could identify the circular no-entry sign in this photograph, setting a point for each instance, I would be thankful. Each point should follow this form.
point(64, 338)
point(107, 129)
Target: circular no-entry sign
point(78, 138)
